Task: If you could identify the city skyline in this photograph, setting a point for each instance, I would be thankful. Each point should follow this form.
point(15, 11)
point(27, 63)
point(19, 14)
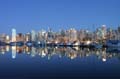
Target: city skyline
point(59, 39)
point(102, 32)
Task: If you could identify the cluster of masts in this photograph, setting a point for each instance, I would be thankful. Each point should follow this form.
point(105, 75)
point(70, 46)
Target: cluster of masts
point(68, 37)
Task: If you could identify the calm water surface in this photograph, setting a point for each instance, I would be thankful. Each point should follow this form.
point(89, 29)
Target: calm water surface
point(58, 62)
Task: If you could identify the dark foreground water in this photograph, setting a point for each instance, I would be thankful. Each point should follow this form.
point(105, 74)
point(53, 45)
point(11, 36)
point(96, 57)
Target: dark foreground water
point(59, 63)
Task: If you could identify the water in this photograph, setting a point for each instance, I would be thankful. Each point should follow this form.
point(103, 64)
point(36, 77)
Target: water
point(58, 63)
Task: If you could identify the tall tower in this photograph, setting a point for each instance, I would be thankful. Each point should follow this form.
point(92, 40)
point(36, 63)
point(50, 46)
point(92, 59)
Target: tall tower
point(13, 35)
point(33, 35)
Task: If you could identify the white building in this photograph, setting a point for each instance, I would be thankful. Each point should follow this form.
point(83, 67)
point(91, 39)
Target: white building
point(13, 35)
point(33, 35)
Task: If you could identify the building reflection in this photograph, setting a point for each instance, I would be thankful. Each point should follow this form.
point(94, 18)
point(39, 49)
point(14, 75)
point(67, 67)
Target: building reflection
point(4, 49)
point(72, 53)
point(13, 52)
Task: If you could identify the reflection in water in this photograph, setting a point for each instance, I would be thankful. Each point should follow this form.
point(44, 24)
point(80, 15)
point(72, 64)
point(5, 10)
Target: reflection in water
point(13, 52)
point(68, 52)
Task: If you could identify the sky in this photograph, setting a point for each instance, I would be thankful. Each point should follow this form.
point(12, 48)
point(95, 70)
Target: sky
point(25, 15)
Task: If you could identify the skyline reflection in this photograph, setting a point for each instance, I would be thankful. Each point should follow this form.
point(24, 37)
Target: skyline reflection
point(71, 53)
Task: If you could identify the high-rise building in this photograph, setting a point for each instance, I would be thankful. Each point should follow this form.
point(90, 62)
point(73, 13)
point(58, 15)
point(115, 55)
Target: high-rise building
point(2, 37)
point(72, 35)
point(20, 37)
point(42, 35)
point(33, 35)
point(7, 39)
point(81, 35)
point(13, 35)
point(103, 31)
point(50, 35)
point(27, 37)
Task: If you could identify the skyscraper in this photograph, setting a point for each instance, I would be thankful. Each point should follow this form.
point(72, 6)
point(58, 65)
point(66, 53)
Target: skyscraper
point(27, 37)
point(33, 35)
point(20, 37)
point(13, 35)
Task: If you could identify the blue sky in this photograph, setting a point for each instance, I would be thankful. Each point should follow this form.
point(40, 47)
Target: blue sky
point(25, 15)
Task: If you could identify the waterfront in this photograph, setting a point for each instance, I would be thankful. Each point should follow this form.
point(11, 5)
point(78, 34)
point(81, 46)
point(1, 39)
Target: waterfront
point(59, 39)
point(65, 54)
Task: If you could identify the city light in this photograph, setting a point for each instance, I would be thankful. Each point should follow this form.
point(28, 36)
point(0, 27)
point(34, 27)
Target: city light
point(74, 37)
point(88, 42)
point(101, 38)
